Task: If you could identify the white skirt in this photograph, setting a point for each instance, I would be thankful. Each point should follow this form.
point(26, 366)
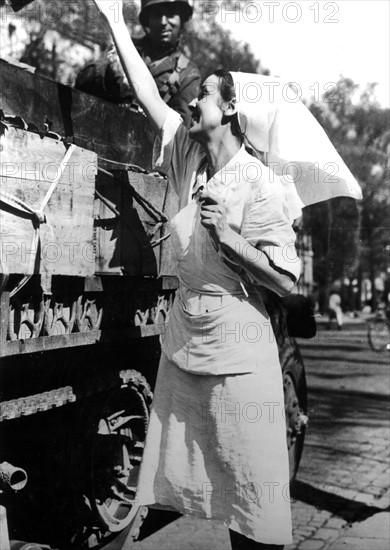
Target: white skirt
point(216, 449)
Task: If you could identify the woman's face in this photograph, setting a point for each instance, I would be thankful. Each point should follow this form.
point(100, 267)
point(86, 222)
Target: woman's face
point(206, 110)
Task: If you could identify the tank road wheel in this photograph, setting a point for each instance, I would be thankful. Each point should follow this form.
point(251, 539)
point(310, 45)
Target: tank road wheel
point(294, 386)
point(115, 445)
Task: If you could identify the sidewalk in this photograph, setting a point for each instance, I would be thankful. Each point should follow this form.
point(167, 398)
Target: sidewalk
point(195, 534)
point(370, 534)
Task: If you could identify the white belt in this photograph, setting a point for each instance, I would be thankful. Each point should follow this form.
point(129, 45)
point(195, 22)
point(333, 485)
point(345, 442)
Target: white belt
point(197, 303)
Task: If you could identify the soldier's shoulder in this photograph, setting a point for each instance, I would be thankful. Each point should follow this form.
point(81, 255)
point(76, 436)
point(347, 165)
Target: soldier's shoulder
point(140, 43)
point(193, 66)
point(190, 69)
point(184, 55)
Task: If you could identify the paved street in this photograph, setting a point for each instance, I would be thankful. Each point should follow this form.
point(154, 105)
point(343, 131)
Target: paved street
point(344, 474)
point(343, 482)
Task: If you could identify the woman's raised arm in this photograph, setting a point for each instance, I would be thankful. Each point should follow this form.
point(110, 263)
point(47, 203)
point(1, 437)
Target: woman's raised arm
point(138, 75)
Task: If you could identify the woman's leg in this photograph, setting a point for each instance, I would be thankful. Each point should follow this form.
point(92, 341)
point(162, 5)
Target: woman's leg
point(239, 542)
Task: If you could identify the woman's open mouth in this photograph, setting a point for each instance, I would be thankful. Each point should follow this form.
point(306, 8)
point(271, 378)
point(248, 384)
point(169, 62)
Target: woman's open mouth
point(195, 117)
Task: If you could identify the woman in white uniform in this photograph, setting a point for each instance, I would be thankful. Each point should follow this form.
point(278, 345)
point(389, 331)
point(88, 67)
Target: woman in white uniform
point(216, 443)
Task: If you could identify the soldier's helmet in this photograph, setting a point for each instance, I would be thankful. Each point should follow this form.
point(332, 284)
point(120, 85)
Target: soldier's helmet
point(146, 5)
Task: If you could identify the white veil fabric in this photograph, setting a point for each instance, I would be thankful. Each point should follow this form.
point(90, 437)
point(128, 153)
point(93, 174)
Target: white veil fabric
point(296, 147)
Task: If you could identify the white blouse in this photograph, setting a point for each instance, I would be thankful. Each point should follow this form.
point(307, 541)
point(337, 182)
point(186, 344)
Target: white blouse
point(256, 203)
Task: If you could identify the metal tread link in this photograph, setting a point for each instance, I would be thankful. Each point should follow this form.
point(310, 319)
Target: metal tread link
point(40, 402)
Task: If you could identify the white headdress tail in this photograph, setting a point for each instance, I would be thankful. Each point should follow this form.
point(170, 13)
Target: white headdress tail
point(276, 122)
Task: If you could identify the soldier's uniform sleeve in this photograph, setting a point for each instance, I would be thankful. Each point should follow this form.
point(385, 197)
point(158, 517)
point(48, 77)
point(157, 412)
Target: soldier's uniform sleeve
point(117, 87)
point(189, 83)
point(105, 79)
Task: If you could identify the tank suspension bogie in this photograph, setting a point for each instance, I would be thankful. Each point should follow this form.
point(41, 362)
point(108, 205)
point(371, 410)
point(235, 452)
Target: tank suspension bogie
point(108, 448)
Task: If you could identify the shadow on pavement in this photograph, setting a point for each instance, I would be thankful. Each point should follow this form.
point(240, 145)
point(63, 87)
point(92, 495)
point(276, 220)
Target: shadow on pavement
point(335, 346)
point(340, 376)
point(349, 510)
point(330, 407)
point(156, 520)
point(346, 359)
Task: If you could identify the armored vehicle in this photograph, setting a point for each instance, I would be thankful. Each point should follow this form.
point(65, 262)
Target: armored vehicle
point(87, 283)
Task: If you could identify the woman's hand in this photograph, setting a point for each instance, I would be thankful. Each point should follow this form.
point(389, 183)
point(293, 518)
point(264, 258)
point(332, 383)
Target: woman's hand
point(138, 75)
point(112, 10)
point(213, 217)
point(239, 254)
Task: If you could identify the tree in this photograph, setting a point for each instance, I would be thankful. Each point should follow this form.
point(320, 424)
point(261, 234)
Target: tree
point(57, 29)
point(213, 47)
point(346, 244)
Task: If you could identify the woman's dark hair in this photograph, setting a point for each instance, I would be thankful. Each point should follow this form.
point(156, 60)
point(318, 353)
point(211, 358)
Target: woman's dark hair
point(228, 92)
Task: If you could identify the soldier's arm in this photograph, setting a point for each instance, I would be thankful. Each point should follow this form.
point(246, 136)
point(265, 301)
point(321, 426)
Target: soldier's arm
point(138, 75)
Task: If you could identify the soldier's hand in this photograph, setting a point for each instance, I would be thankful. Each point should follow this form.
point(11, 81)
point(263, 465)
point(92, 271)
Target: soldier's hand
point(112, 10)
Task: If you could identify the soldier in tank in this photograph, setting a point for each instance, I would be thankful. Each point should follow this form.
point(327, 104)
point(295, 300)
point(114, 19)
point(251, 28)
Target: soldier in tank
point(177, 77)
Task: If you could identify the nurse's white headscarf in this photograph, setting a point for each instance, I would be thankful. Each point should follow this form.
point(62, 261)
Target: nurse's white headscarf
point(276, 122)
